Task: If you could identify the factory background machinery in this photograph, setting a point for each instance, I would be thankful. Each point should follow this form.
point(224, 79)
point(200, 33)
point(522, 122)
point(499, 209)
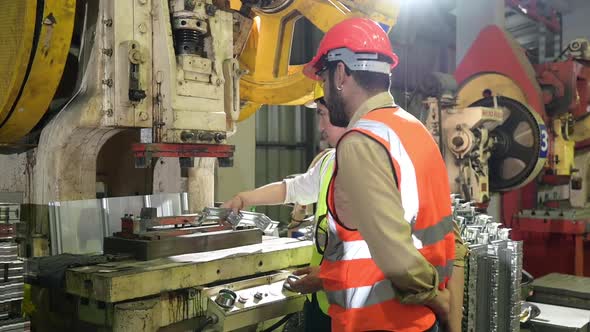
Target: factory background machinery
point(519, 129)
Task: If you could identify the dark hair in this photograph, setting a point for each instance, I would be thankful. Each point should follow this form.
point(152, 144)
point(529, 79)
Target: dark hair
point(370, 81)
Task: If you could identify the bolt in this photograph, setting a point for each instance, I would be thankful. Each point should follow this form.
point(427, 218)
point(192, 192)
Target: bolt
point(49, 20)
point(219, 82)
point(136, 95)
point(143, 116)
point(219, 137)
point(187, 135)
point(108, 23)
point(142, 2)
point(142, 28)
point(107, 51)
point(458, 141)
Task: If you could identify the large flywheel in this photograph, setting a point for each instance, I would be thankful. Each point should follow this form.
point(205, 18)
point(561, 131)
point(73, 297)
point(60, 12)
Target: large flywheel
point(35, 37)
point(521, 141)
point(520, 148)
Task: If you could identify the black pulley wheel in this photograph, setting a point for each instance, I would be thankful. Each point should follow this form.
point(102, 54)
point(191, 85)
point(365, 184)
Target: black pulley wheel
point(521, 145)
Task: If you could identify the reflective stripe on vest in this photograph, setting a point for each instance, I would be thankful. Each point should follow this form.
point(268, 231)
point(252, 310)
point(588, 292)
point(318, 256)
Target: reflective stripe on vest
point(361, 298)
point(320, 235)
point(433, 234)
point(406, 173)
point(365, 296)
point(429, 232)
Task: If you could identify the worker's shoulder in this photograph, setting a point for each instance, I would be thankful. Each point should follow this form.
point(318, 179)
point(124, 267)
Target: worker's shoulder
point(355, 139)
point(323, 155)
point(359, 147)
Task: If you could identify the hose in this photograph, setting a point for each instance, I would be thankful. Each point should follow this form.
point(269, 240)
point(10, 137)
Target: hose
point(209, 321)
point(279, 323)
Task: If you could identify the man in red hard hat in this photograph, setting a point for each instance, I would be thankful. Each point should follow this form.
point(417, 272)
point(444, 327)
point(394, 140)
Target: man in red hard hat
point(391, 245)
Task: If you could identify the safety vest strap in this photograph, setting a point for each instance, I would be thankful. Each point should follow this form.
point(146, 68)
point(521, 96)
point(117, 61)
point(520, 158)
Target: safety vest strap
point(321, 236)
point(445, 271)
point(435, 233)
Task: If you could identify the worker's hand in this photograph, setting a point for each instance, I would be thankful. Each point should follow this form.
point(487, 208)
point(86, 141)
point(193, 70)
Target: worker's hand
point(237, 203)
point(311, 283)
point(441, 305)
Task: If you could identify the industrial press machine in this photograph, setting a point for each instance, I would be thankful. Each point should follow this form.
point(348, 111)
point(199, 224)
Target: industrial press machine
point(109, 87)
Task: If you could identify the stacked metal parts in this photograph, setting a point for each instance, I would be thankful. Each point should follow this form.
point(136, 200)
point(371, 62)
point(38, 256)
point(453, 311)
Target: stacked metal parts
point(11, 273)
point(492, 300)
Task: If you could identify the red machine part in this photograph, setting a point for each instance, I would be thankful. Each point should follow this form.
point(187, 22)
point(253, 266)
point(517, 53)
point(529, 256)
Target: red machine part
point(143, 153)
point(565, 85)
point(560, 242)
point(183, 225)
point(550, 240)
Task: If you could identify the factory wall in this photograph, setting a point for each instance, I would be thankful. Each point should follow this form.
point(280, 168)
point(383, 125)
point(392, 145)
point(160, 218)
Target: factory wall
point(14, 177)
point(286, 142)
point(232, 180)
point(575, 23)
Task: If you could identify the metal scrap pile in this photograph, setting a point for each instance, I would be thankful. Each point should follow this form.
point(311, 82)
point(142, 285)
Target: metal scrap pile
point(11, 272)
point(492, 299)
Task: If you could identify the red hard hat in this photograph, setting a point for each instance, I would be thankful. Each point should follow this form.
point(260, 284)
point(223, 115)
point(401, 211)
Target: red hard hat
point(359, 35)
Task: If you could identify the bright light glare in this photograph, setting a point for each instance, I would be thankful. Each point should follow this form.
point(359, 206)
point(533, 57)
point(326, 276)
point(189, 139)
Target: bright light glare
point(257, 21)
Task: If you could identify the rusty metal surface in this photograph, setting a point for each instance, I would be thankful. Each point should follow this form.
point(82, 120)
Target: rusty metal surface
point(121, 281)
point(185, 244)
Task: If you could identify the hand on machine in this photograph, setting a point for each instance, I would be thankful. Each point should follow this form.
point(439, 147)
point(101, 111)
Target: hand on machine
point(306, 280)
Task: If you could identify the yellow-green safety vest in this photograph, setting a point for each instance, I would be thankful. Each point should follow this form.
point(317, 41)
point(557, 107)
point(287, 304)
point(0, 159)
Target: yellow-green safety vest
point(320, 227)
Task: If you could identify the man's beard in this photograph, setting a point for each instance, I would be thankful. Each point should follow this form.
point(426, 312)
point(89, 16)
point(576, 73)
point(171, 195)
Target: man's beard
point(335, 105)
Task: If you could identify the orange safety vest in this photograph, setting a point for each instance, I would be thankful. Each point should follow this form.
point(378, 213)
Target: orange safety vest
point(361, 297)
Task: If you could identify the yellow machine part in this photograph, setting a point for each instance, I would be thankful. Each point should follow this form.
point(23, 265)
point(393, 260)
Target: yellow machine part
point(271, 79)
point(16, 40)
point(501, 85)
point(582, 130)
point(33, 51)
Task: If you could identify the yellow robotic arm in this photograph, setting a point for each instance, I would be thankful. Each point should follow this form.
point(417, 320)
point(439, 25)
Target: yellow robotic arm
point(271, 80)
